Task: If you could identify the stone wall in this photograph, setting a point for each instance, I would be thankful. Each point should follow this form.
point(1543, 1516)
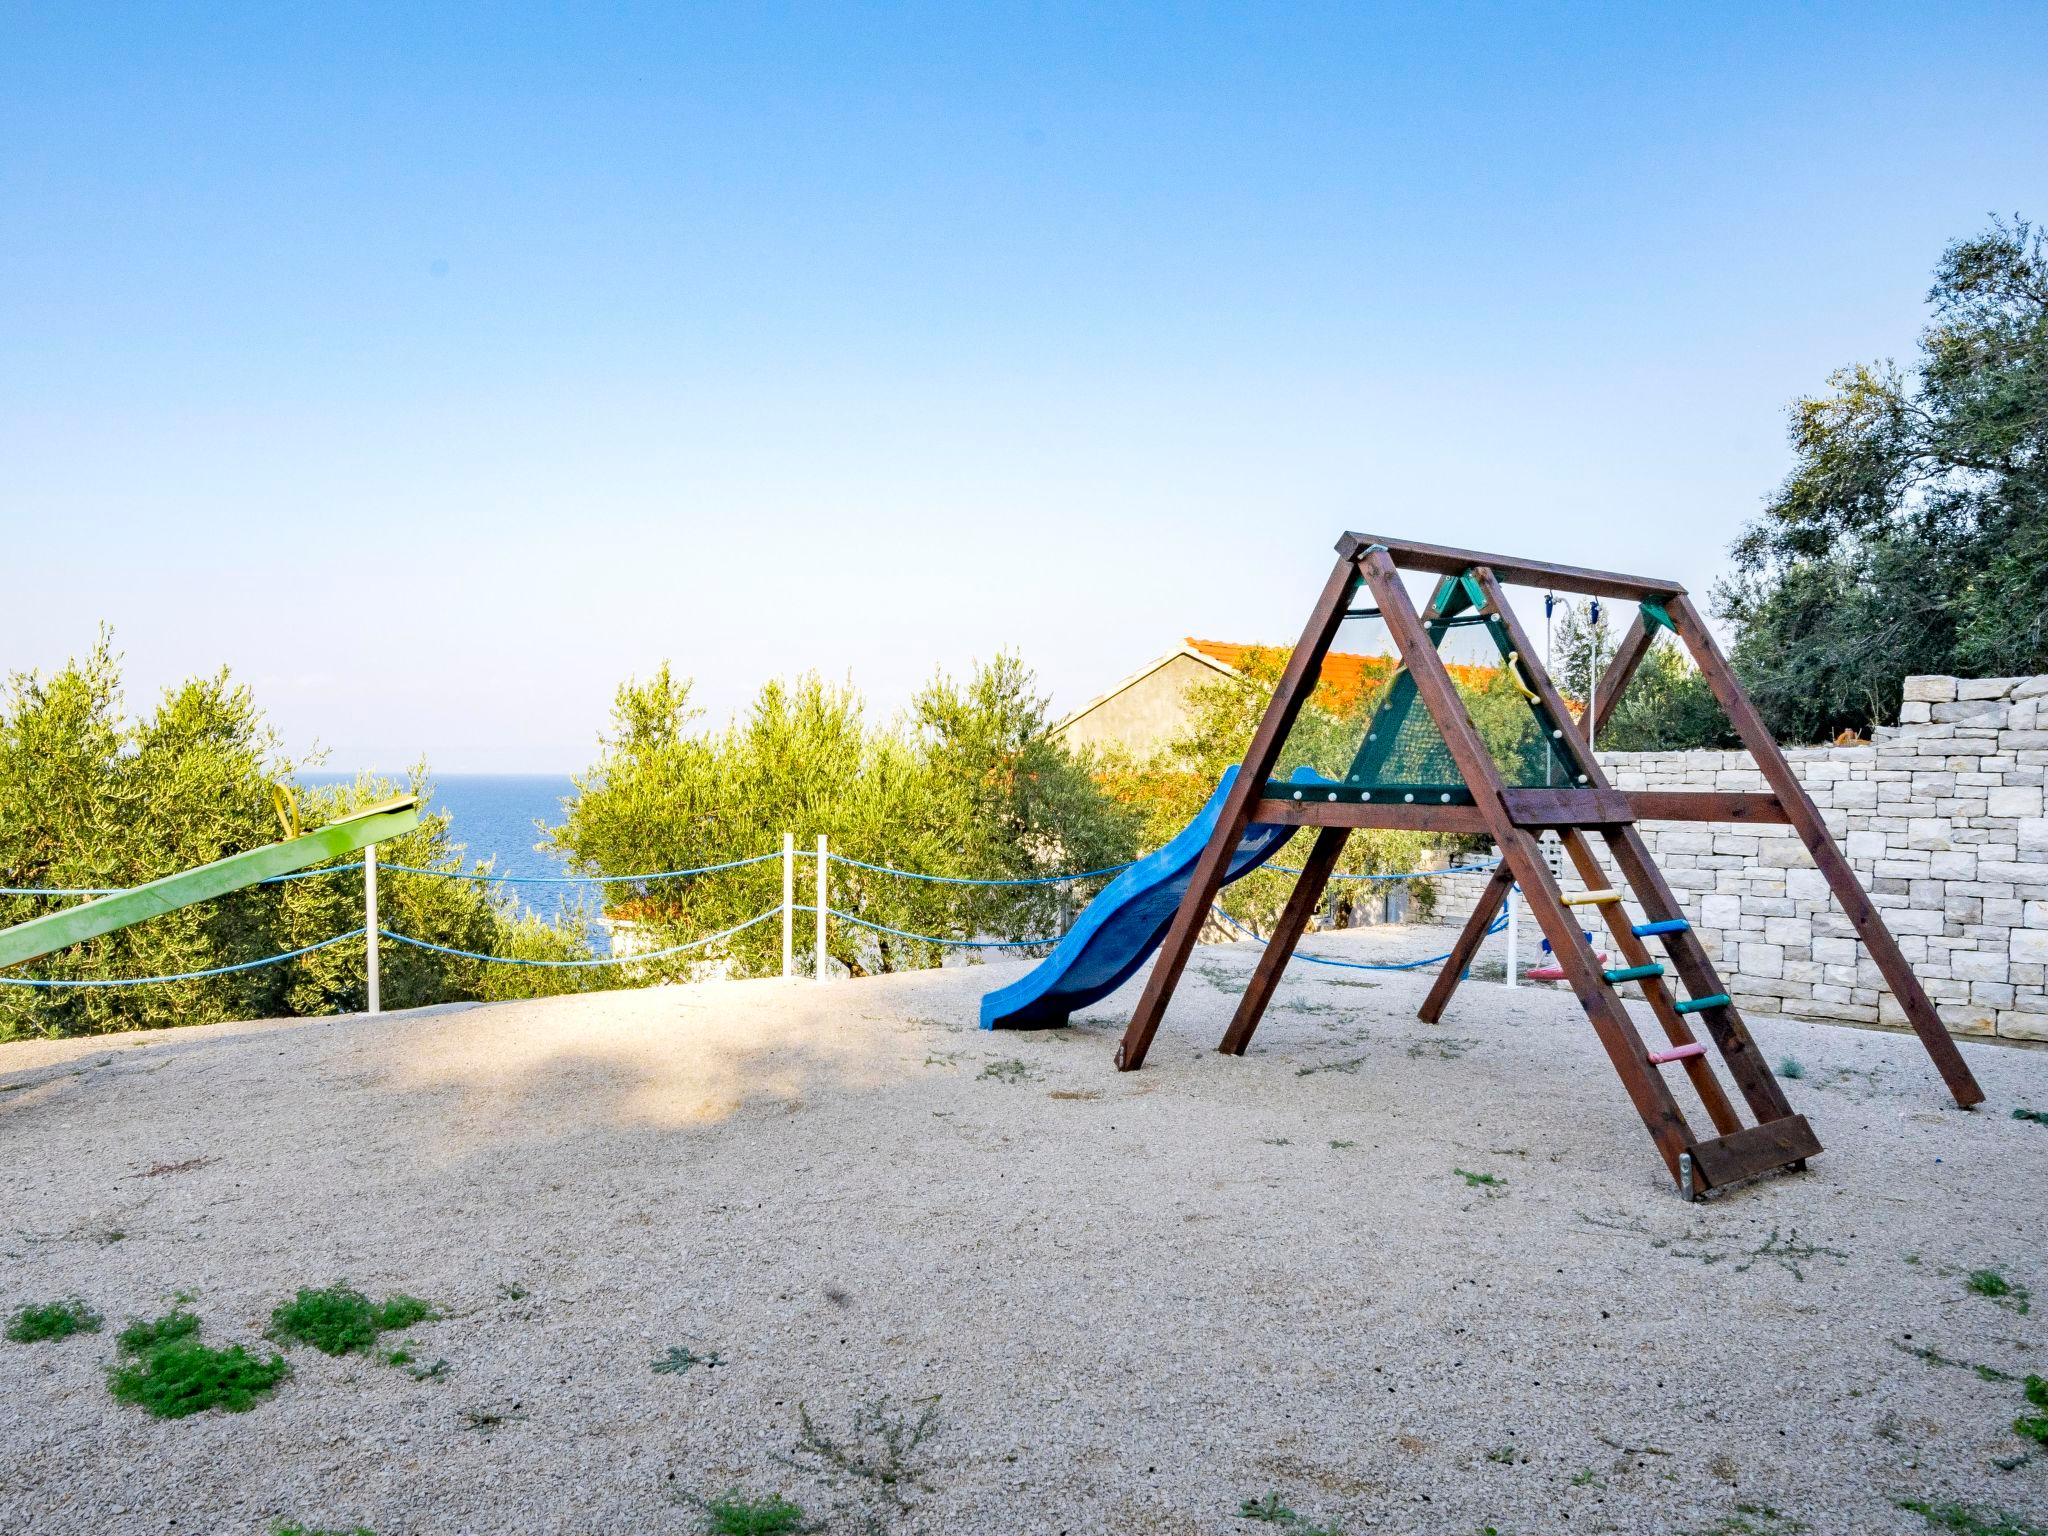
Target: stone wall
point(1943, 822)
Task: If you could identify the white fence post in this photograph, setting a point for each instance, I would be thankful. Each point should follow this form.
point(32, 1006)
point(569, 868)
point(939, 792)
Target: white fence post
point(788, 905)
point(822, 894)
point(1512, 937)
point(376, 984)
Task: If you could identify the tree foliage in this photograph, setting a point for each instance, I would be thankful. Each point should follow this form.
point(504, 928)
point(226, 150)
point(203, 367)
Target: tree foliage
point(91, 798)
point(967, 784)
point(1667, 706)
point(1912, 533)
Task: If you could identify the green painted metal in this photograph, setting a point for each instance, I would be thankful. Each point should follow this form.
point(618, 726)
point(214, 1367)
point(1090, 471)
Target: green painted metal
point(1634, 972)
point(88, 920)
point(1701, 1004)
point(1655, 617)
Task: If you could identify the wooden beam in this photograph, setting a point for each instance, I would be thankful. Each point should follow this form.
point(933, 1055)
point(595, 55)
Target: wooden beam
point(53, 931)
point(1611, 1022)
point(1297, 680)
point(1806, 821)
point(1408, 555)
point(1470, 937)
point(1635, 645)
point(1706, 805)
point(1566, 807)
point(1294, 919)
point(1759, 1086)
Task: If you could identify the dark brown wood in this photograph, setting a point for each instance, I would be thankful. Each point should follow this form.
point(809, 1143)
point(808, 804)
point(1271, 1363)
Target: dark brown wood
point(1635, 952)
point(1567, 807)
point(1297, 679)
point(1749, 807)
point(1635, 645)
point(1806, 821)
point(1411, 556)
point(1759, 1087)
point(1747, 1153)
point(1470, 937)
point(1706, 805)
point(1610, 1019)
point(1390, 817)
point(1294, 919)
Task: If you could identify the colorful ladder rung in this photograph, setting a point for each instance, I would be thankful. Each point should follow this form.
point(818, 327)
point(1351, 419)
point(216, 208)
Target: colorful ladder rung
point(1678, 1053)
point(1635, 972)
point(1700, 1004)
point(1668, 925)
point(1592, 898)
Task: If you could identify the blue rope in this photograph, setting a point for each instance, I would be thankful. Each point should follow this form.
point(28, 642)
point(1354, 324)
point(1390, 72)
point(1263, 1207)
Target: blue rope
point(1359, 965)
point(574, 965)
point(883, 869)
point(116, 890)
point(926, 938)
point(221, 970)
point(663, 874)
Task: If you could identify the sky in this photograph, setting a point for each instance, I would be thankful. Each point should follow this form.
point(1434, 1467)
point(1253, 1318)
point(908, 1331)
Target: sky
point(437, 368)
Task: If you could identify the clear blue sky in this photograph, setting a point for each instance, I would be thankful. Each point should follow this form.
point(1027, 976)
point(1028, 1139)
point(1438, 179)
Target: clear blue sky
point(877, 338)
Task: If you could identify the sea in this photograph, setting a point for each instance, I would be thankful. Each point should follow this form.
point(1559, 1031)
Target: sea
point(499, 816)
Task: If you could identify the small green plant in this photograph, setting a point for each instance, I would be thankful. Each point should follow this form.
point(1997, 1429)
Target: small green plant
point(171, 1374)
point(1992, 1284)
point(880, 1447)
point(680, 1358)
point(340, 1319)
point(1011, 1071)
point(1792, 1067)
point(1492, 1183)
point(1506, 1455)
point(2038, 1116)
point(2034, 1426)
point(1586, 1477)
point(52, 1320)
point(1269, 1509)
point(1965, 1521)
point(732, 1513)
point(295, 1529)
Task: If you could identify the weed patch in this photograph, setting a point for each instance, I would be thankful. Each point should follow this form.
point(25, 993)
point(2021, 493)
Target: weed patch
point(1754, 1520)
point(732, 1513)
point(1272, 1511)
point(681, 1357)
point(1792, 1068)
point(295, 1529)
point(340, 1320)
point(879, 1448)
point(52, 1320)
point(1440, 1047)
point(1966, 1521)
point(1993, 1285)
point(1936, 1357)
point(2034, 1426)
point(1010, 1071)
point(1348, 1064)
point(171, 1374)
point(2038, 1116)
point(1490, 1183)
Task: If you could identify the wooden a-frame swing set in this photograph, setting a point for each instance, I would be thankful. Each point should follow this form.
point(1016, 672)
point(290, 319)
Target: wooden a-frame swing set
point(1577, 803)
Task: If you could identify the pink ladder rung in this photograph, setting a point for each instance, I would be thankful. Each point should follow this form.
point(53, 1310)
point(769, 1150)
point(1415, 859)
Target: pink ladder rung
point(1678, 1053)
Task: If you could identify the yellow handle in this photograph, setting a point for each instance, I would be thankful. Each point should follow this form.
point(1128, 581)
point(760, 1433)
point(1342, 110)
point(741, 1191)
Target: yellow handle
point(285, 801)
point(1515, 672)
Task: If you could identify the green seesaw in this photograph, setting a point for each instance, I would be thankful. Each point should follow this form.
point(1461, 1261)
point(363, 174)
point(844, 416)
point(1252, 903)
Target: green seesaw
point(359, 829)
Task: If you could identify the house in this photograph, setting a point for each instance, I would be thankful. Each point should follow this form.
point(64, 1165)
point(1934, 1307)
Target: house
point(1148, 709)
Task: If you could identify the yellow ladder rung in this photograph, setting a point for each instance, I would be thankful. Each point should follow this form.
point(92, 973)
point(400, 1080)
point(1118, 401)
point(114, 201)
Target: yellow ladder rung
point(1592, 898)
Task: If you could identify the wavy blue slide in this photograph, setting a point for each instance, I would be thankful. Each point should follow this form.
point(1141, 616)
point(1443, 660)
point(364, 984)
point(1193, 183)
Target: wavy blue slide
point(1122, 926)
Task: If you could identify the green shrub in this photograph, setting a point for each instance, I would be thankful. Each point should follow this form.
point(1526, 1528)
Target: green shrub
point(52, 1320)
point(734, 1514)
point(340, 1319)
point(171, 1374)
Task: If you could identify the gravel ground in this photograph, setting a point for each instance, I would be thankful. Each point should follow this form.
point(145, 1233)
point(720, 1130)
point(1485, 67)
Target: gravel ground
point(1131, 1303)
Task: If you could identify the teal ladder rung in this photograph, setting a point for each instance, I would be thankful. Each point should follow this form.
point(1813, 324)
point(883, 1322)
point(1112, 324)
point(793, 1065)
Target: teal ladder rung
point(1668, 925)
point(1635, 972)
point(1701, 1004)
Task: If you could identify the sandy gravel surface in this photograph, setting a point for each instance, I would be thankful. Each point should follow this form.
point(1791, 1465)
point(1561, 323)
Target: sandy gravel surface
point(1132, 1302)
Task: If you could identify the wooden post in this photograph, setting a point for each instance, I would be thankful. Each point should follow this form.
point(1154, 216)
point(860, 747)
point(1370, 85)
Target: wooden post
point(1296, 682)
point(1470, 937)
point(1294, 918)
point(1806, 821)
point(1524, 860)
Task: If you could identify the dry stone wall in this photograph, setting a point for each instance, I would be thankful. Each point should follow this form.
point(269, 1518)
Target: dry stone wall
point(1943, 820)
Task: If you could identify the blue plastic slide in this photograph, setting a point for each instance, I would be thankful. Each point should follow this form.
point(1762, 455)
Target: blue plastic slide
point(1122, 926)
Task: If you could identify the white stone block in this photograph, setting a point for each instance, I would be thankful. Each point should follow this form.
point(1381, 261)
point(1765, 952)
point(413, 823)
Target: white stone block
point(2014, 800)
point(1986, 687)
point(1761, 960)
point(1930, 690)
point(1978, 965)
point(2029, 945)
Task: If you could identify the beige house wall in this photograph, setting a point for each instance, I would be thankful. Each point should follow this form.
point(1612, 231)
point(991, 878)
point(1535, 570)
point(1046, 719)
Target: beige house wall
point(1144, 713)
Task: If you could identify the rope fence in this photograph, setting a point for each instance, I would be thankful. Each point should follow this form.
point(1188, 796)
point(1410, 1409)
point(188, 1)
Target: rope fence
point(821, 910)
